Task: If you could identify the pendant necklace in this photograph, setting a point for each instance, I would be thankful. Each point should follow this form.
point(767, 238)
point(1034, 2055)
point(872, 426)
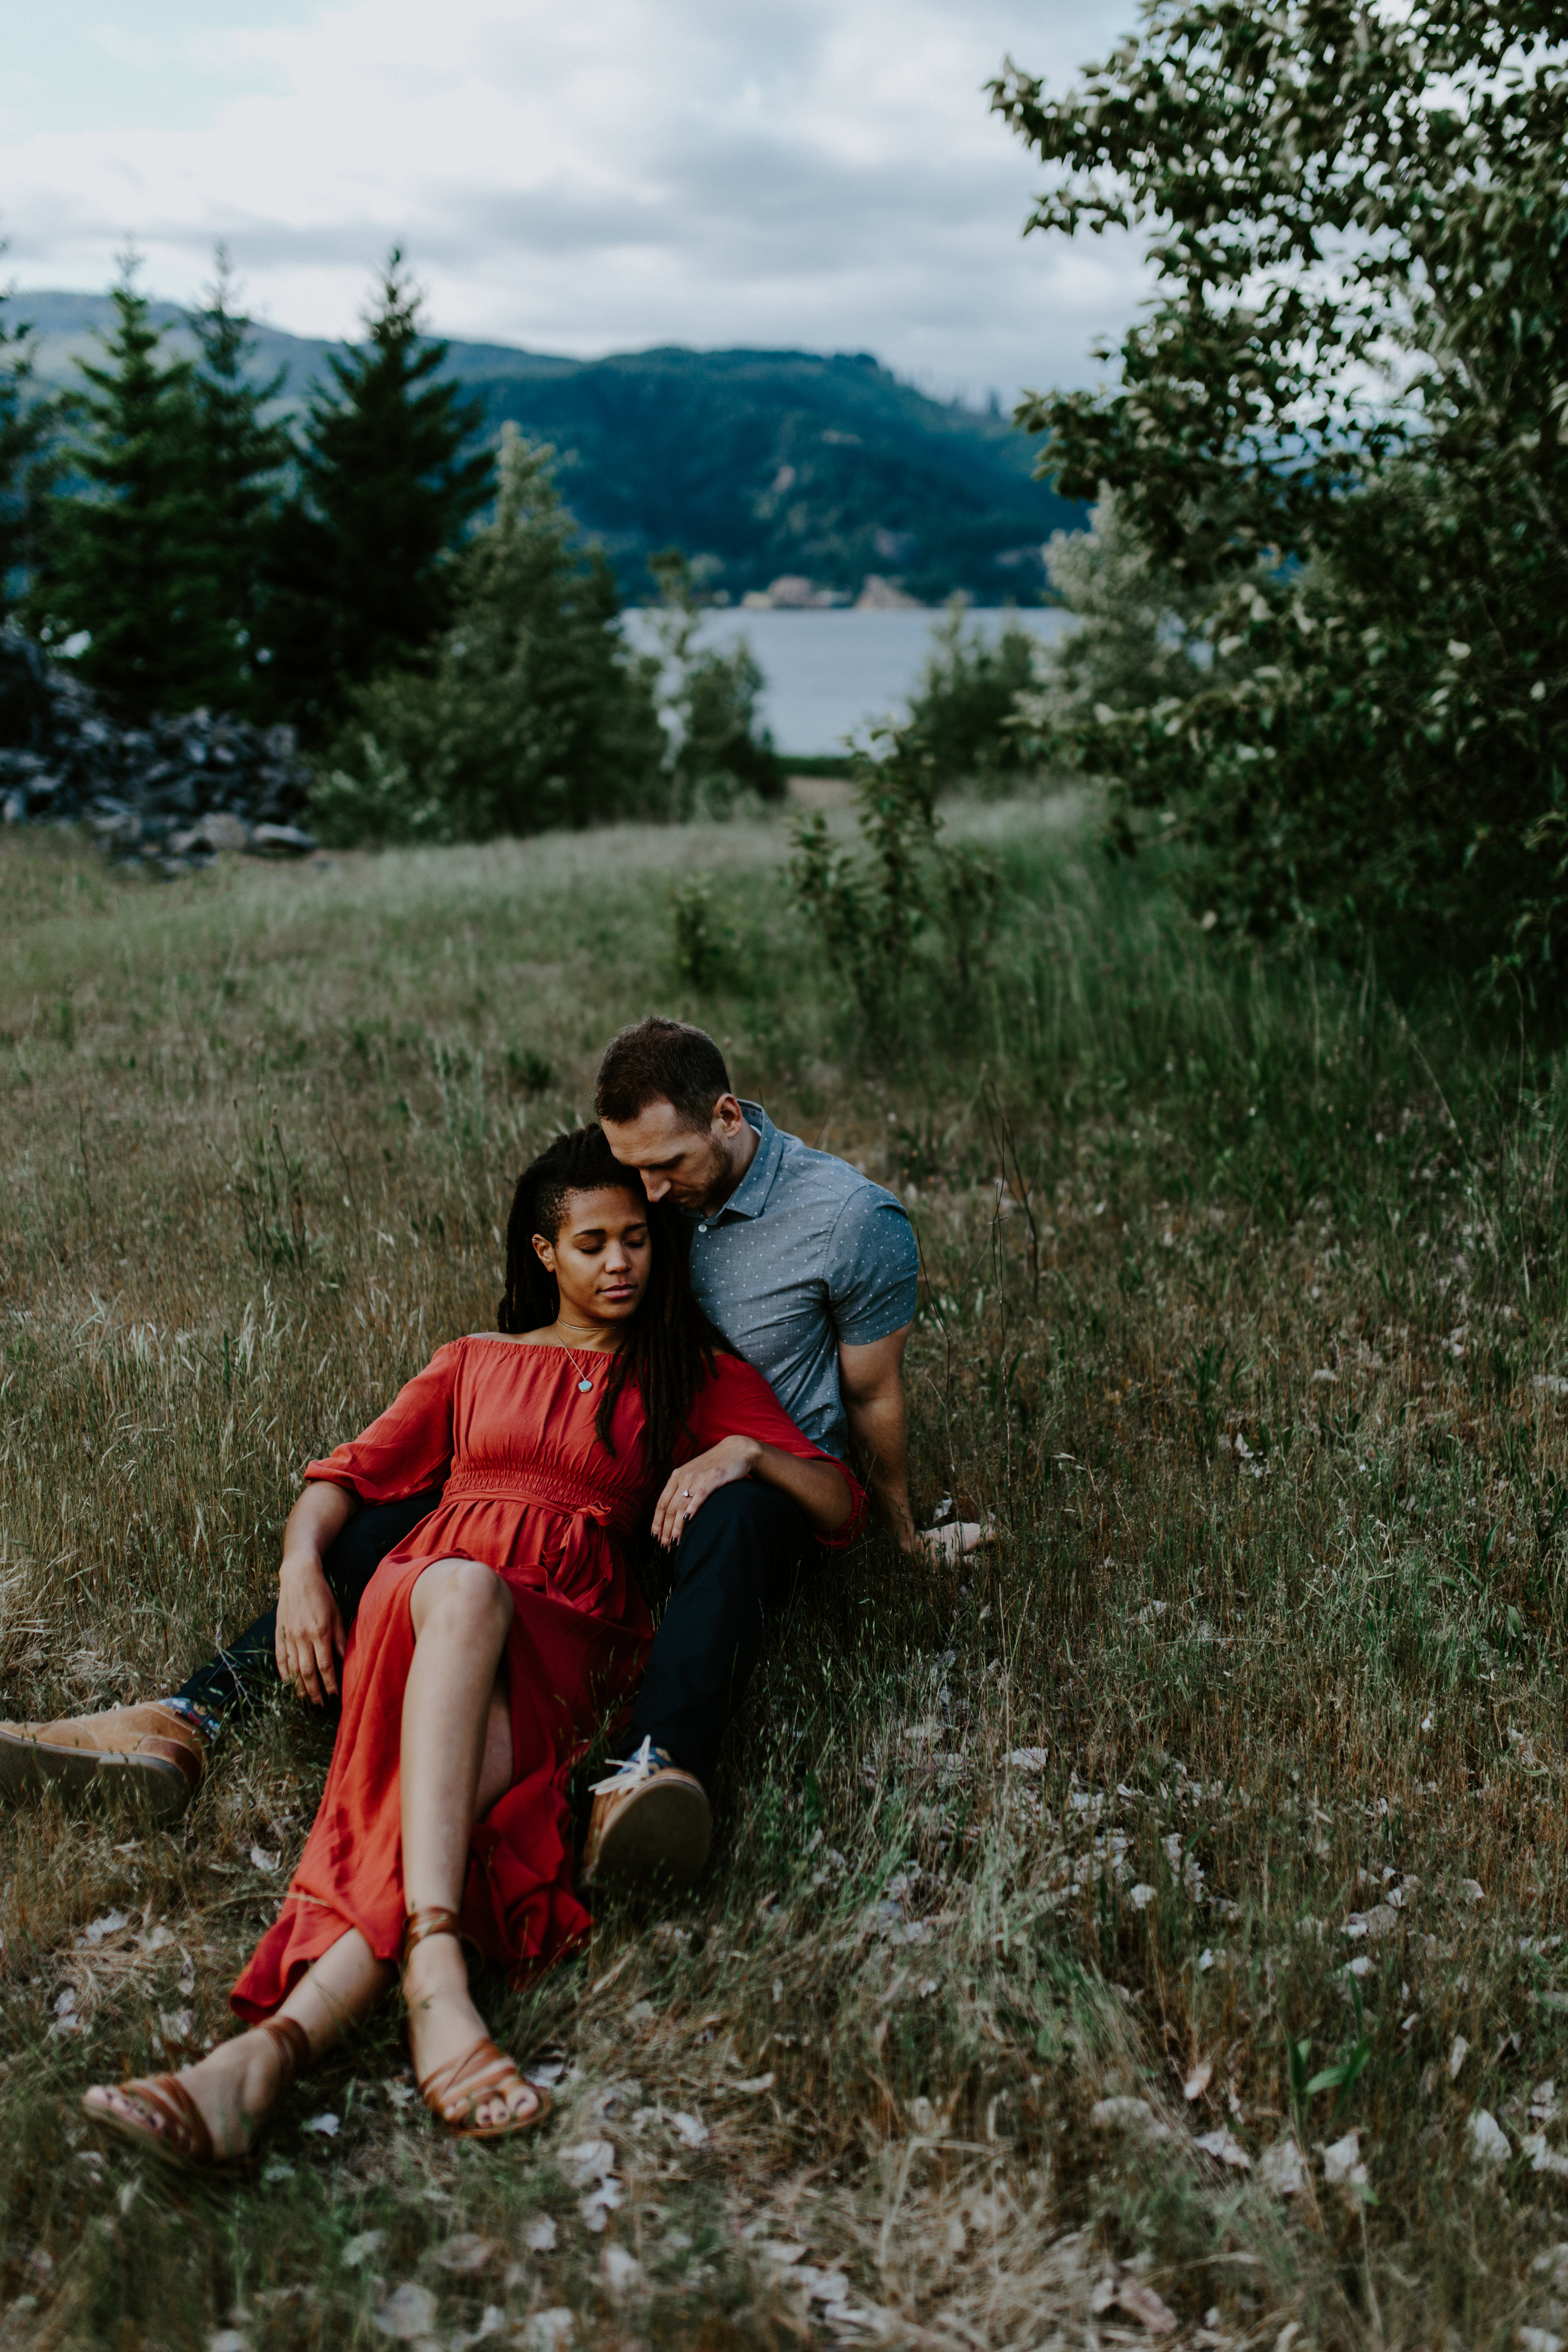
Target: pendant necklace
point(583, 1382)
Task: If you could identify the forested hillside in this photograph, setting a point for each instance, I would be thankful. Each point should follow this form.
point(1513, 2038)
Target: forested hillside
point(762, 462)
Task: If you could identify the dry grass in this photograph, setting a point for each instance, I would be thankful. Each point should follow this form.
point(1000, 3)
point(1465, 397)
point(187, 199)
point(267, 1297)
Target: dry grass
point(1030, 1878)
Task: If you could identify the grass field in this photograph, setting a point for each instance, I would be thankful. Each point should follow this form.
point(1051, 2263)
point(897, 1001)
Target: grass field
point(1153, 1932)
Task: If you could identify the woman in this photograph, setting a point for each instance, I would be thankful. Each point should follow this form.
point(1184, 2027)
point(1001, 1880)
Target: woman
point(488, 1650)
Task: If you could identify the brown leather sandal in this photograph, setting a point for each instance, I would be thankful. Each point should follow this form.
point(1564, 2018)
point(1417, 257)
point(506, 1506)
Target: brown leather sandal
point(482, 2073)
point(176, 2130)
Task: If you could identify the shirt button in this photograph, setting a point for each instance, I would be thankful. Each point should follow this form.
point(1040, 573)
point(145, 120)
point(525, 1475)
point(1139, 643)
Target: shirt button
point(701, 1229)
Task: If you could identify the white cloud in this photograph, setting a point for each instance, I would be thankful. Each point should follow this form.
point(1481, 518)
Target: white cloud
point(817, 173)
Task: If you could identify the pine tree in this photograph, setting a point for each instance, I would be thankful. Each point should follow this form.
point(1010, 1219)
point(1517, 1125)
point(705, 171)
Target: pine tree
point(28, 425)
point(242, 457)
point(532, 713)
point(364, 576)
point(133, 568)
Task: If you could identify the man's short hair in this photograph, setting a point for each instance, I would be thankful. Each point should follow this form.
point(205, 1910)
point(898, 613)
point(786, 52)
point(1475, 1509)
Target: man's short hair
point(661, 1061)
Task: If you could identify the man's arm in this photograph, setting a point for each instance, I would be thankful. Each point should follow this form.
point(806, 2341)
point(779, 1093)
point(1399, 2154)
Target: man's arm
point(871, 1380)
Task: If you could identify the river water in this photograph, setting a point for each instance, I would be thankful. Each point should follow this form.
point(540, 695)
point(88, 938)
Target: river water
point(829, 673)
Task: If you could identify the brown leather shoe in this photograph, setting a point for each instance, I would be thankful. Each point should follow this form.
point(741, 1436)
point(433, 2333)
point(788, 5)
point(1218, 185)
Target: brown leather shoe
point(150, 1752)
point(650, 1826)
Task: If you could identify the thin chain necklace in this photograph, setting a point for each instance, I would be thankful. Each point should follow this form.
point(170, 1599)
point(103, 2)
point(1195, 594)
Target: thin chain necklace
point(584, 1381)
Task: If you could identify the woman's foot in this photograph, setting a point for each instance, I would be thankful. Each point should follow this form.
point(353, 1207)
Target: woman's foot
point(233, 2091)
point(444, 2028)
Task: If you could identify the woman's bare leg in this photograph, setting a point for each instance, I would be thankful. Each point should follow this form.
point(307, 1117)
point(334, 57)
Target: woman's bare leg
point(456, 1762)
point(237, 2084)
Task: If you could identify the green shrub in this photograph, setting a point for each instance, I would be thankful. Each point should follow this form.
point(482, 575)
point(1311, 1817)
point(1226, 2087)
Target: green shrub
point(875, 910)
point(963, 710)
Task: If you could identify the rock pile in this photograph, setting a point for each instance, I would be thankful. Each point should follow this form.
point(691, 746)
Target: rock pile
point(171, 794)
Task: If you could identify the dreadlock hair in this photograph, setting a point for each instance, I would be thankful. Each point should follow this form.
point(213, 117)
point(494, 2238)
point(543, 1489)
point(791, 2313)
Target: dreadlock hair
point(670, 1344)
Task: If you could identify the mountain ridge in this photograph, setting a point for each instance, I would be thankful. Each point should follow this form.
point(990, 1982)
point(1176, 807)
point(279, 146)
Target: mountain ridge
point(754, 463)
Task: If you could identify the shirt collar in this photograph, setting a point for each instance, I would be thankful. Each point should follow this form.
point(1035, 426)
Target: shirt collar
point(750, 1197)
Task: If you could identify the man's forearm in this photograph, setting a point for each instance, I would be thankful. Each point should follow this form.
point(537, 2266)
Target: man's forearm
point(877, 1426)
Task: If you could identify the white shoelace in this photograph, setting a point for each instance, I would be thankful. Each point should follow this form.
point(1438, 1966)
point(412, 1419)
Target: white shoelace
point(634, 1770)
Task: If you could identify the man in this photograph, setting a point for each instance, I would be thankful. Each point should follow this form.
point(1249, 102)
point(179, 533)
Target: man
point(810, 1271)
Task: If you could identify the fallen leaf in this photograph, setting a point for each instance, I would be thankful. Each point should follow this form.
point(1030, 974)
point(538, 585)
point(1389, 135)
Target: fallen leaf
point(361, 2248)
point(1141, 1896)
point(588, 2159)
point(1341, 2164)
point(756, 2082)
point(95, 1932)
point(1224, 2148)
point(409, 2312)
point(1489, 2143)
point(1143, 2304)
point(622, 2270)
point(466, 2252)
point(689, 2129)
point(598, 2205)
point(1471, 1887)
point(1542, 2157)
point(1127, 2114)
point(540, 2236)
point(821, 2286)
point(547, 2331)
point(1280, 2169)
point(263, 1860)
point(1029, 1759)
point(1200, 2078)
point(327, 2124)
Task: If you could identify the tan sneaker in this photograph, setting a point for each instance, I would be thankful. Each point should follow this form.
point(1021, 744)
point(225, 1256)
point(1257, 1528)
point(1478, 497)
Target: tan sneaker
point(650, 1826)
point(151, 1752)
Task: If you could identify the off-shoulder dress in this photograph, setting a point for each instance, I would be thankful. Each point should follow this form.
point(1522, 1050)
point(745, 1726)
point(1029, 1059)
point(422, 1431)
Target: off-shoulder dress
point(530, 1490)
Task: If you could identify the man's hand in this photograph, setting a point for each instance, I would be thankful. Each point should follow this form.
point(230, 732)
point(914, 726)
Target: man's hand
point(953, 1540)
point(689, 1486)
point(311, 1637)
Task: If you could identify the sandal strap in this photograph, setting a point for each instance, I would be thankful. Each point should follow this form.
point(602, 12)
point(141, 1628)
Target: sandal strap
point(480, 2072)
point(293, 2047)
point(185, 2126)
point(430, 1919)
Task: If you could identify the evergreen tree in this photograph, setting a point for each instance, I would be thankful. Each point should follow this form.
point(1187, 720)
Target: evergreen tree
point(532, 713)
point(242, 456)
point(28, 424)
point(134, 566)
point(364, 576)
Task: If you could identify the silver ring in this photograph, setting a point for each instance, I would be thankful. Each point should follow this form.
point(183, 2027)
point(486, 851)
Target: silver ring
point(686, 1493)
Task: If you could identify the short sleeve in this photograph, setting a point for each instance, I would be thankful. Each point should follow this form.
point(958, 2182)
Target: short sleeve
point(873, 1268)
point(406, 1449)
point(738, 1402)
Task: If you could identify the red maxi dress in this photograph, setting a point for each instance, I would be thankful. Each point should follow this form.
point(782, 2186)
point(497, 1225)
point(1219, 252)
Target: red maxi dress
point(530, 1490)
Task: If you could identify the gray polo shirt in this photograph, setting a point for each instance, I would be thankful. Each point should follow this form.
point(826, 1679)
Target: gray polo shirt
point(805, 1255)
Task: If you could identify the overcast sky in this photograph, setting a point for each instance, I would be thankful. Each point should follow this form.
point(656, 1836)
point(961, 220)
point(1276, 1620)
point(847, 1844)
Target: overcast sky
point(574, 175)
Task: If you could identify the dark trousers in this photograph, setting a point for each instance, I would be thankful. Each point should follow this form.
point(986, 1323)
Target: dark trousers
point(740, 1562)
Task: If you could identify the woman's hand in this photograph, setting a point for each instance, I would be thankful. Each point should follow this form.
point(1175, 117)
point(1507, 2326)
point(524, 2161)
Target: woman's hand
point(311, 1637)
point(689, 1486)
